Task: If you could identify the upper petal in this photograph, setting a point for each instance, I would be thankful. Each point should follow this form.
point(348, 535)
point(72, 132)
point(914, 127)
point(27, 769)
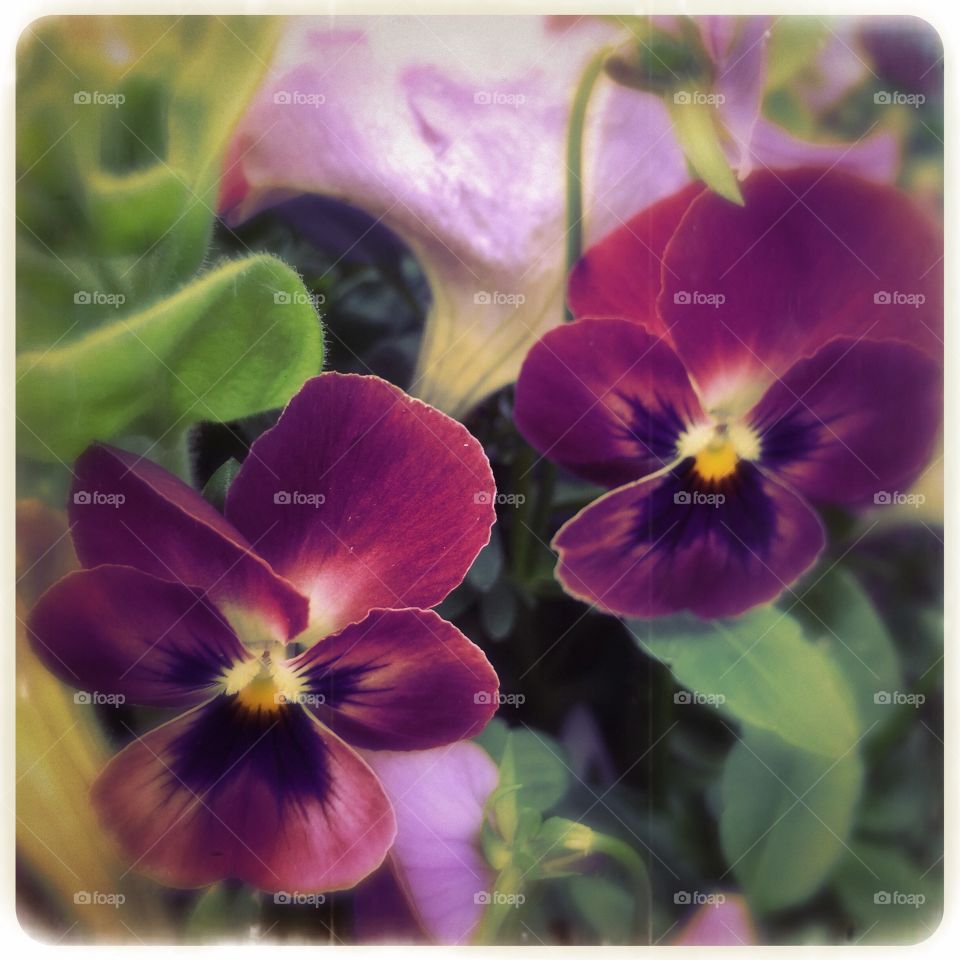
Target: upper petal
point(812, 255)
point(115, 630)
point(364, 497)
point(271, 799)
point(438, 797)
point(856, 421)
point(619, 275)
point(127, 510)
point(400, 680)
point(605, 399)
point(669, 544)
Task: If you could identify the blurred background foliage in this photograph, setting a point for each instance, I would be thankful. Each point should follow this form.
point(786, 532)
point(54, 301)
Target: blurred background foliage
point(799, 789)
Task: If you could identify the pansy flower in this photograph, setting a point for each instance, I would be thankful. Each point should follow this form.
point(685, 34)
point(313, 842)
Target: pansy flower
point(295, 631)
point(734, 368)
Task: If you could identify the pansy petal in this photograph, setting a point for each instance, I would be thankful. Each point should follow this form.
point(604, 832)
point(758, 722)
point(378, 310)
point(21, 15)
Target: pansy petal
point(364, 497)
point(400, 680)
point(855, 422)
point(127, 510)
point(115, 630)
point(266, 797)
point(668, 544)
point(605, 399)
point(812, 255)
point(619, 276)
point(438, 797)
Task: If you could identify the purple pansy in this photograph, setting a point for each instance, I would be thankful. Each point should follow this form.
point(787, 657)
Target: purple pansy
point(293, 631)
point(733, 367)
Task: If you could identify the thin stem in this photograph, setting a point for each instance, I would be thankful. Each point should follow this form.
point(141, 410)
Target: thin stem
point(578, 117)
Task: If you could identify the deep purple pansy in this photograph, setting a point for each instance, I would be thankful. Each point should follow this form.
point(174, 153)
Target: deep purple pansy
point(294, 631)
point(732, 367)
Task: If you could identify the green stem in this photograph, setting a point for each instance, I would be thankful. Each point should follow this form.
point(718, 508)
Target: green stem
point(578, 117)
point(636, 869)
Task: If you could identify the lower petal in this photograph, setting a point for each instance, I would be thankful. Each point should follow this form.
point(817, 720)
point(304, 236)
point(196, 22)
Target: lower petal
point(266, 797)
point(669, 543)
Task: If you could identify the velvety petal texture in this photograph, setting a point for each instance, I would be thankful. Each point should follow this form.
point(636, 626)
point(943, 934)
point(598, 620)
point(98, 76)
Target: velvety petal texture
point(812, 255)
point(619, 276)
point(439, 796)
point(399, 680)
point(115, 631)
point(857, 420)
point(364, 498)
point(799, 355)
point(605, 399)
point(269, 798)
point(669, 543)
point(126, 510)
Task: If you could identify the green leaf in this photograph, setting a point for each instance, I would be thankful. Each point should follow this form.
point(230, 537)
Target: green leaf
point(763, 672)
point(698, 132)
point(223, 911)
point(891, 899)
point(239, 340)
point(539, 763)
point(838, 614)
point(606, 906)
point(786, 816)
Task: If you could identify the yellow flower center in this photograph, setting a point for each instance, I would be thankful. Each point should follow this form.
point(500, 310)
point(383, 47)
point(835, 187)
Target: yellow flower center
point(717, 448)
point(716, 461)
point(263, 686)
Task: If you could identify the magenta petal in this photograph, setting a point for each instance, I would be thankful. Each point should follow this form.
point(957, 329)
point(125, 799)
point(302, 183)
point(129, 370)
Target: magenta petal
point(812, 255)
point(438, 797)
point(619, 276)
point(857, 420)
point(127, 510)
point(365, 498)
point(400, 680)
point(605, 399)
point(117, 631)
point(273, 800)
point(657, 547)
point(724, 924)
